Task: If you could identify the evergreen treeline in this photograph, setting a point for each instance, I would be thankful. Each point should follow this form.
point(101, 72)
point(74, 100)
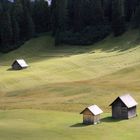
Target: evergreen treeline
point(87, 21)
point(70, 21)
point(21, 20)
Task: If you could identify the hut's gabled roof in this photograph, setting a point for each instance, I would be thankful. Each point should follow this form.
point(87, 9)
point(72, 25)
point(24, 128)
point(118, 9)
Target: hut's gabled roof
point(21, 62)
point(128, 100)
point(94, 109)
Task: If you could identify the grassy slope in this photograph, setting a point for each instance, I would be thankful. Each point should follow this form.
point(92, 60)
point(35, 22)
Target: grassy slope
point(44, 125)
point(68, 79)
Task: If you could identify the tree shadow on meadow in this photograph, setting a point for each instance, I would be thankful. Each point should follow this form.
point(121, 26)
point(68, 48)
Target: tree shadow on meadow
point(38, 53)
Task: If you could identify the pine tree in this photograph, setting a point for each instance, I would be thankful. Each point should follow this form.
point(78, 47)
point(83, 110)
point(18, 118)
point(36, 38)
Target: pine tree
point(130, 8)
point(136, 18)
point(70, 14)
point(0, 24)
point(118, 20)
point(27, 28)
point(93, 12)
point(78, 24)
point(15, 27)
point(62, 15)
point(28, 24)
point(41, 15)
point(61, 9)
point(107, 7)
point(54, 16)
point(6, 29)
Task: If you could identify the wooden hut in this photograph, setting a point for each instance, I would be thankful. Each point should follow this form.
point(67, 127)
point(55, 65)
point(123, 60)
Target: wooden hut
point(19, 64)
point(124, 107)
point(91, 114)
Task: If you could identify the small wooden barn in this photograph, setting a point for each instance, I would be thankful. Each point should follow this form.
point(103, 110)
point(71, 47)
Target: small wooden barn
point(124, 107)
point(19, 64)
point(91, 114)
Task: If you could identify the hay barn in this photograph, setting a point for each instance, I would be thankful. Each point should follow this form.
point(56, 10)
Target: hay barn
point(91, 114)
point(124, 107)
point(19, 64)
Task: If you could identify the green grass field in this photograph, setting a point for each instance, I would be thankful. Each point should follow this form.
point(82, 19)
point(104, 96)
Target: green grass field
point(43, 102)
point(55, 125)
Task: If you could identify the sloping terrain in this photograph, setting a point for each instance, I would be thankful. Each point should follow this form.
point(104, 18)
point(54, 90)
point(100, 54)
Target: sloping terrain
point(43, 101)
point(46, 125)
point(70, 77)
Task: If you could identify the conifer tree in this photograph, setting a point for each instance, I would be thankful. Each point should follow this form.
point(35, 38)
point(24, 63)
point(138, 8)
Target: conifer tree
point(27, 28)
point(61, 20)
point(41, 15)
point(15, 27)
point(93, 12)
point(136, 18)
point(118, 20)
point(54, 16)
point(6, 32)
point(59, 15)
point(78, 15)
point(70, 14)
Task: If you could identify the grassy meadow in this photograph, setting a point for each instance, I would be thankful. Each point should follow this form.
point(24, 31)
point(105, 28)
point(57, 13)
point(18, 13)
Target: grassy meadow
point(55, 125)
point(43, 102)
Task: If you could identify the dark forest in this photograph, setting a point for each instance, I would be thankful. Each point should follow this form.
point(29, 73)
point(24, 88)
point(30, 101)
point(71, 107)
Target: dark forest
point(75, 22)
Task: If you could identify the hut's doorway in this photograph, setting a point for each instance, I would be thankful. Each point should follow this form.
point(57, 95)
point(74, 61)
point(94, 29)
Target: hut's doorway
point(119, 111)
point(87, 119)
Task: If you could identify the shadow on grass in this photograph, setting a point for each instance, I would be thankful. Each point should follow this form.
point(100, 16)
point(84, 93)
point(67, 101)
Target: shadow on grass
point(79, 125)
point(10, 69)
point(110, 119)
point(109, 44)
